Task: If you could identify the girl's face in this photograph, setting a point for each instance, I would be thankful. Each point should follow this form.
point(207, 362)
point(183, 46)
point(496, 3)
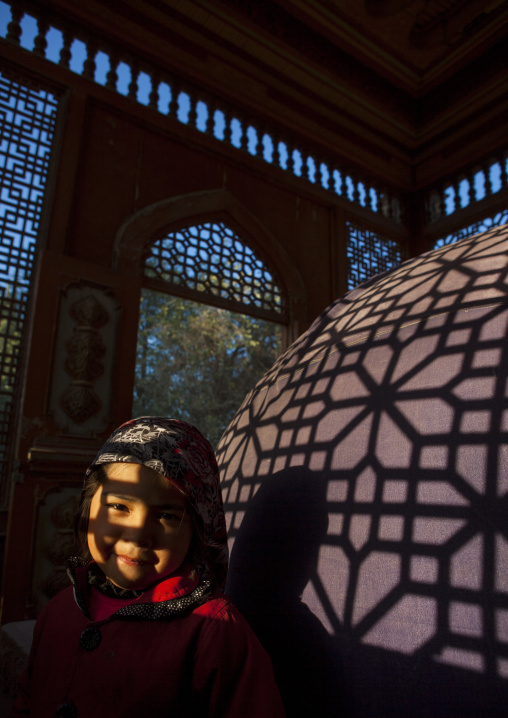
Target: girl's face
point(139, 530)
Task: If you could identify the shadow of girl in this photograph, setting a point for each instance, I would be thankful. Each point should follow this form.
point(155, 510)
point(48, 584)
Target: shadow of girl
point(275, 554)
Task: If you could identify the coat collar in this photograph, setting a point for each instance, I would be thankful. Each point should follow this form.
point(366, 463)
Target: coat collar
point(174, 595)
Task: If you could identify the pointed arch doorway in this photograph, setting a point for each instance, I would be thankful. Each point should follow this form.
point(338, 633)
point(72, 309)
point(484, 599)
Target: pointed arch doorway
point(215, 311)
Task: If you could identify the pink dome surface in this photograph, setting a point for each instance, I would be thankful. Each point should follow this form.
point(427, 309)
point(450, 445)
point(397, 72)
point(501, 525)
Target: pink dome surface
point(365, 481)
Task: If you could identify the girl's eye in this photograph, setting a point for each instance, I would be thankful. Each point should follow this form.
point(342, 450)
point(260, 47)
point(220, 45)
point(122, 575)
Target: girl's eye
point(117, 507)
point(166, 516)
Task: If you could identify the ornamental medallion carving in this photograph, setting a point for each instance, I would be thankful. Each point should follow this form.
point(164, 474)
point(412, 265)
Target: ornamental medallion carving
point(83, 364)
point(54, 542)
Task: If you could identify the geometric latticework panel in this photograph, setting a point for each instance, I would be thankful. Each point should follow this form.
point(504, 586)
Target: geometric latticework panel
point(371, 466)
point(369, 254)
point(139, 80)
point(482, 226)
point(210, 261)
point(27, 123)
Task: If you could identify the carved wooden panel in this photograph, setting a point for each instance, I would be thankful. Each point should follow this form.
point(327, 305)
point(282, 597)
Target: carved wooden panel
point(54, 542)
point(83, 366)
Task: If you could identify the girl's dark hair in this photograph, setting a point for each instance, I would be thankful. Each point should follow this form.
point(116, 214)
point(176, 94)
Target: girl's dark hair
point(93, 482)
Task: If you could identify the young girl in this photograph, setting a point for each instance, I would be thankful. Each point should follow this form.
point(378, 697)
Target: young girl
point(145, 630)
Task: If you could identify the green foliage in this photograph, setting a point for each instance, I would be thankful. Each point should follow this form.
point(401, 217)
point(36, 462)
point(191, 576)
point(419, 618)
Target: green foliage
point(197, 362)
point(10, 339)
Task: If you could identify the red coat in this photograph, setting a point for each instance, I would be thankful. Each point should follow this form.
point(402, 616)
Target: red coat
point(205, 663)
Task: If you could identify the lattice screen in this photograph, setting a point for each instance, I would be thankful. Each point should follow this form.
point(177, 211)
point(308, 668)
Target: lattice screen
point(211, 259)
point(482, 226)
point(369, 254)
point(27, 125)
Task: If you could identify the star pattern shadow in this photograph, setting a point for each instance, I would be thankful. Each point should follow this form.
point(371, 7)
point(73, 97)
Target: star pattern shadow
point(392, 411)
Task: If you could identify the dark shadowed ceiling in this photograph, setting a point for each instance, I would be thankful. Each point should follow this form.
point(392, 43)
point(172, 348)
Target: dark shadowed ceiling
point(383, 82)
point(412, 42)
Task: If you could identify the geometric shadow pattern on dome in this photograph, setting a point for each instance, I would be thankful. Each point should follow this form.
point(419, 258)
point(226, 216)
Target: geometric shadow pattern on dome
point(365, 481)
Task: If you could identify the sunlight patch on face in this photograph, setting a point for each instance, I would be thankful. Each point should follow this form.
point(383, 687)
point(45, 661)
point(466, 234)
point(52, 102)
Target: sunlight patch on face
point(139, 528)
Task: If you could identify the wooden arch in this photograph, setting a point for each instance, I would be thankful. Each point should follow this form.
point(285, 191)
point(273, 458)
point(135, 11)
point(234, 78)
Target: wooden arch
point(143, 228)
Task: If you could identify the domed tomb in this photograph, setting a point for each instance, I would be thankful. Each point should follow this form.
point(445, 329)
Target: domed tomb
point(365, 481)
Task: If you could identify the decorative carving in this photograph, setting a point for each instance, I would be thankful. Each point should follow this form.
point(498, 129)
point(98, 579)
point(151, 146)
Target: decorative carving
point(28, 110)
point(217, 251)
point(86, 351)
point(80, 399)
point(369, 253)
point(89, 312)
point(62, 515)
point(434, 206)
point(61, 544)
point(80, 402)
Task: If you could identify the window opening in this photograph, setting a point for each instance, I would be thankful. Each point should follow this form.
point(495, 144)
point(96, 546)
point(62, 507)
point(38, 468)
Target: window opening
point(210, 260)
point(482, 226)
point(27, 117)
point(210, 326)
point(198, 362)
point(369, 254)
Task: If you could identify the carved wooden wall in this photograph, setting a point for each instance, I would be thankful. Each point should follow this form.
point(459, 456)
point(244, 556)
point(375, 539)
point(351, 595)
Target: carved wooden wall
point(340, 158)
point(80, 371)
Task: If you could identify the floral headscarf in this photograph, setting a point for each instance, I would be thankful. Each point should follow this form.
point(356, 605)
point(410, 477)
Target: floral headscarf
point(178, 451)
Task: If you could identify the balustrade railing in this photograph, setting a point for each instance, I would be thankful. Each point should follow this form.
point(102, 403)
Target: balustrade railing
point(472, 185)
point(52, 37)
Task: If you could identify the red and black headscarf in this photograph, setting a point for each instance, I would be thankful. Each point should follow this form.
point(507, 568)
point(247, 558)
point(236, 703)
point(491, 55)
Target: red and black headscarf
point(178, 451)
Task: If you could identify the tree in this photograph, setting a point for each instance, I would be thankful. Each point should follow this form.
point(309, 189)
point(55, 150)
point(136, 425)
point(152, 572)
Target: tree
point(10, 341)
point(197, 362)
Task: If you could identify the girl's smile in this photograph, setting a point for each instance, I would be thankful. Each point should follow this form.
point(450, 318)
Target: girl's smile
point(139, 530)
point(132, 561)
